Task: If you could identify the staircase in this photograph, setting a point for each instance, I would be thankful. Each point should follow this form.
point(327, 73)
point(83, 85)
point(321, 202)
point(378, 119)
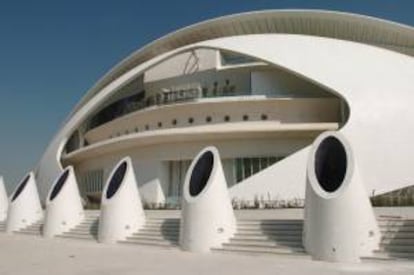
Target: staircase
point(254, 236)
point(33, 229)
point(282, 237)
point(3, 226)
point(397, 239)
point(158, 231)
point(86, 230)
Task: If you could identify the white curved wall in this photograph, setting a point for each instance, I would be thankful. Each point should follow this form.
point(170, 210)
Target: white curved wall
point(376, 83)
point(24, 205)
point(339, 223)
point(64, 208)
point(207, 217)
point(121, 208)
point(4, 200)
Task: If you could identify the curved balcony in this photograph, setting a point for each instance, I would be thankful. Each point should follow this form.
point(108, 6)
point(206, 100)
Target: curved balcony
point(214, 119)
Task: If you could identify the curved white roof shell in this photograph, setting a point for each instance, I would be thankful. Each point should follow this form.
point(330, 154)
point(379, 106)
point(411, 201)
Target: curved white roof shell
point(366, 61)
point(338, 25)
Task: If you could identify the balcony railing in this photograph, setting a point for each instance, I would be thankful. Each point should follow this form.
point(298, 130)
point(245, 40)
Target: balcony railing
point(165, 97)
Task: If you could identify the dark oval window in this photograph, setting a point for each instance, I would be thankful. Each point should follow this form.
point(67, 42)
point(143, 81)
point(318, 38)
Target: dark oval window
point(21, 187)
point(227, 118)
point(59, 184)
point(201, 173)
point(330, 164)
point(116, 180)
point(190, 120)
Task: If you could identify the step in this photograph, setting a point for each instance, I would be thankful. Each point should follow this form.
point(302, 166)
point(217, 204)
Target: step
point(73, 236)
point(90, 217)
point(380, 254)
point(270, 222)
point(88, 222)
point(267, 237)
point(265, 242)
point(162, 226)
point(34, 226)
point(398, 255)
point(397, 241)
point(149, 240)
point(31, 229)
point(90, 228)
point(260, 250)
point(81, 232)
point(155, 234)
point(293, 246)
point(398, 228)
point(396, 248)
point(153, 238)
point(269, 231)
point(28, 232)
point(162, 221)
point(159, 231)
point(152, 220)
point(149, 243)
point(398, 235)
point(265, 227)
point(398, 222)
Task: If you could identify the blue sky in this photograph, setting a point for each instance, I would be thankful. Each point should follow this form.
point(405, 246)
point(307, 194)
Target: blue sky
point(51, 52)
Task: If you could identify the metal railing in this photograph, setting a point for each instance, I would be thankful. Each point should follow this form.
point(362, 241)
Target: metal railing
point(165, 98)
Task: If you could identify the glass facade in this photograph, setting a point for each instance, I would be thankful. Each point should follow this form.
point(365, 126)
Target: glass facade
point(91, 182)
point(235, 171)
point(246, 167)
point(228, 58)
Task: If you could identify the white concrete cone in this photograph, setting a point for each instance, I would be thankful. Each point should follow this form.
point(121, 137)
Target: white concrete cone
point(24, 205)
point(4, 201)
point(121, 208)
point(207, 217)
point(340, 225)
point(64, 208)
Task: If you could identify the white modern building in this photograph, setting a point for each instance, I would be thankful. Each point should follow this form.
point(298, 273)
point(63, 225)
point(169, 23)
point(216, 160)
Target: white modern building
point(258, 86)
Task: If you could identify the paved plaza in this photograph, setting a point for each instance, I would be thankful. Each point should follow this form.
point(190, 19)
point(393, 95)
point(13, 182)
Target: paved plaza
point(34, 255)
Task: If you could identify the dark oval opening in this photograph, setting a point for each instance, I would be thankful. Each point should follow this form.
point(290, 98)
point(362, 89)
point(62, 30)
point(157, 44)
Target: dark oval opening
point(116, 180)
point(201, 173)
point(59, 184)
point(21, 187)
point(330, 164)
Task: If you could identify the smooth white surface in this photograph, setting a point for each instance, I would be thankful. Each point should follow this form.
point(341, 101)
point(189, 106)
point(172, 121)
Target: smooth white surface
point(26, 208)
point(339, 226)
point(122, 214)
point(65, 211)
point(207, 219)
point(4, 201)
